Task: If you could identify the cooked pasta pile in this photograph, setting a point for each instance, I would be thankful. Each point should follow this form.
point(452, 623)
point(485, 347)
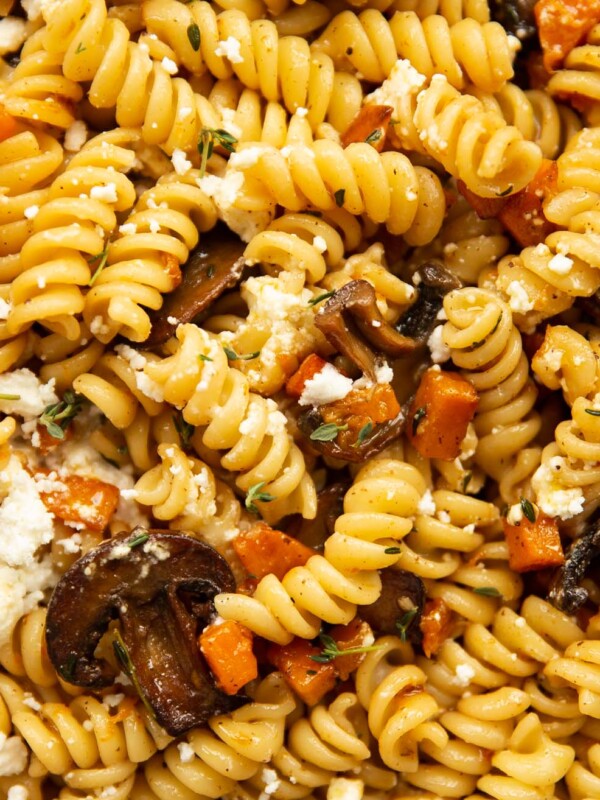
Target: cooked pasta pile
point(315, 284)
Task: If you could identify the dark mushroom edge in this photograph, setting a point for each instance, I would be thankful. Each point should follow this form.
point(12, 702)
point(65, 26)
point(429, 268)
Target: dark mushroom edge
point(160, 586)
point(400, 606)
point(565, 591)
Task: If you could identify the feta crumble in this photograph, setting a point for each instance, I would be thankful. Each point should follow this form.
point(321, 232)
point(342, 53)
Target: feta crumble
point(326, 386)
point(230, 49)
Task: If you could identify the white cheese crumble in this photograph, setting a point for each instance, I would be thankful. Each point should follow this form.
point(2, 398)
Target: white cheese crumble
point(186, 752)
point(127, 229)
point(384, 373)
point(345, 789)
point(112, 700)
point(20, 591)
point(31, 212)
point(13, 32)
point(224, 191)
point(319, 244)
point(33, 396)
point(301, 111)
point(170, 66)
point(326, 386)
point(560, 264)
point(180, 162)
point(439, 350)
point(246, 158)
point(144, 383)
point(33, 9)
point(403, 80)
point(515, 514)
point(107, 194)
point(464, 674)
point(519, 301)
point(230, 48)
point(75, 136)
point(552, 498)
point(13, 755)
point(427, 504)
point(17, 792)
point(271, 780)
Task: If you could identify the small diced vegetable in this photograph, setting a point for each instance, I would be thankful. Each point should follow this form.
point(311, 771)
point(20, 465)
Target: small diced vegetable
point(369, 406)
point(227, 648)
point(436, 625)
point(311, 365)
point(533, 545)
point(263, 551)
point(357, 633)
point(369, 125)
point(47, 443)
point(309, 679)
point(486, 207)
point(523, 215)
point(562, 25)
point(84, 501)
point(442, 408)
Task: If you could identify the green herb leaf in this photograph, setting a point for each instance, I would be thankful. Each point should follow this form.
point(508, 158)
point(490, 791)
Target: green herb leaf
point(327, 432)
point(487, 591)
point(68, 670)
point(102, 256)
point(136, 541)
point(374, 136)
point(419, 414)
point(184, 429)
point(124, 659)
point(255, 493)
point(207, 140)
point(331, 650)
point(311, 671)
point(404, 622)
point(80, 48)
point(58, 416)
point(10, 396)
point(480, 342)
point(506, 191)
point(202, 357)
point(363, 434)
point(233, 356)
point(593, 412)
point(392, 551)
point(527, 509)
point(320, 298)
point(340, 196)
point(193, 34)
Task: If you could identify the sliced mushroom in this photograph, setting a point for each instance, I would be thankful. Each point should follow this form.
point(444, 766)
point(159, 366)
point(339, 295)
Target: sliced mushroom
point(372, 444)
point(516, 17)
point(400, 605)
point(214, 266)
point(352, 323)
point(160, 586)
point(565, 591)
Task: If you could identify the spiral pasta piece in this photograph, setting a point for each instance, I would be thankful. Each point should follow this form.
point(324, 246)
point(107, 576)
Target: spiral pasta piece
point(385, 187)
point(233, 747)
point(68, 234)
point(468, 50)
point(282, 68)
point(579, 73)
point(215, 397)
point(583, 778)
point(329, 740)
point(579, 667)
point(484, 342)
point(25, 656)
point(143, 260)
point(378, 510)
point(451, 10)
point(568, 360)
point(399, 719)
point(65, 359)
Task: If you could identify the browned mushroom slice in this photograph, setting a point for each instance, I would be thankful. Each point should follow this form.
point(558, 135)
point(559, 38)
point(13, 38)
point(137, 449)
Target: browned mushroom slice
point(399, 607)
point(565, 591)
point(160, 586)
point(214, 266)
point(352, 323)
point(330, 505)
point(359, 451)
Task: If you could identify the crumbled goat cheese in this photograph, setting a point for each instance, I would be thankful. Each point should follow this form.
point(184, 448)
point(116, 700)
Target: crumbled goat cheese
point(13, 32)
point(230, 48)
point(33, 395)
point(144, 383)
point(75, 136)
point(271, 781)
point(20, 591)
point(112, 700)
point(170, 66)
point(514, 514)
point(180, 162)
point(552, 498)
point(33, 9)
point(31, 212)
point(186, 752)
point(325, 387)
point(301, 111)
point(560, 264)
point(403, 80)
point(439, 350)
point(246, 158)
point(31, 702)
point(107, 194)
point(127, 229)
point(384, 373)
point(320, 244)
point(427, 504)
point(71, 545)
point(17, 792)
point(519, 301)
point(464, 674)
point(345, 789)
point(25, 522)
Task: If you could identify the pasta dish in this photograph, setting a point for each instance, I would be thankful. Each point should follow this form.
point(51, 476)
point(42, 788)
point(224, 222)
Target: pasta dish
point(300, 400)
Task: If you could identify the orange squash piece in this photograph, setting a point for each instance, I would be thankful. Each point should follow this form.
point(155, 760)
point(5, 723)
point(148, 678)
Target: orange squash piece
point(311, 365)
point(441, 410)
point(369, 125)
point(227, 648)
point(436, 625)
point(309, 679)
point(263, 550)
point(355, 634)
point(562, 25)
point(523, 215)
point(533, 545)
point(83, 501)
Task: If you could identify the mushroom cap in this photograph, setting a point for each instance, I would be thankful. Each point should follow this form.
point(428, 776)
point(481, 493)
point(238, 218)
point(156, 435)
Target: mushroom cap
point(160, 586)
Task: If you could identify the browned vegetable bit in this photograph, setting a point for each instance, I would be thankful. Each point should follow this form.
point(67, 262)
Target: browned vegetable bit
point(399, 607)
point(160, 586)
point(565, 591)
point(214, 266)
